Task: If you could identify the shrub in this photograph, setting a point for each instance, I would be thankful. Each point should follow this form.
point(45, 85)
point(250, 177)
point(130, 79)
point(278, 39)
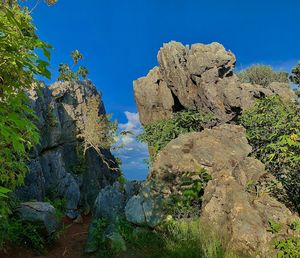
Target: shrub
point(187, 200)
point(288, 248)
point(295, 75)
point(274, 133)
point(159, 134)
point(262, 75)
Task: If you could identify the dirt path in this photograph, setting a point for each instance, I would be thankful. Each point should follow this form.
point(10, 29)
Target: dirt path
point(69, 245)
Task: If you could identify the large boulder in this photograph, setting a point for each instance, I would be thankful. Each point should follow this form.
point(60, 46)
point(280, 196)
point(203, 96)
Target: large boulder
point(57, 169)
point(232, 205)
point(39, 213)
point(200, 78)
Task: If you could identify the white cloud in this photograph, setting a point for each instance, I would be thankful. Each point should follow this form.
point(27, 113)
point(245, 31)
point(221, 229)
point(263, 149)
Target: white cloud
point(132, 152)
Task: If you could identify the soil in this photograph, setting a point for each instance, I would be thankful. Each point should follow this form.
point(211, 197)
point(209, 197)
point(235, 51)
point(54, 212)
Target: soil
point(69, 245)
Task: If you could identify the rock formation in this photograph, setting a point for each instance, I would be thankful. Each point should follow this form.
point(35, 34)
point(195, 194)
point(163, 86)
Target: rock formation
point(57, 167)
point(200, 78)
point(237, 203)
point(236, 211)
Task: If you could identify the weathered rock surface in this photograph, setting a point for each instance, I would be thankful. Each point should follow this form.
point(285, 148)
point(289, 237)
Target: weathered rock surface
point(57, 170)
point(109, 207)
point(234, 211)
point(39, 213)
point(144, 209)
point(200, 78)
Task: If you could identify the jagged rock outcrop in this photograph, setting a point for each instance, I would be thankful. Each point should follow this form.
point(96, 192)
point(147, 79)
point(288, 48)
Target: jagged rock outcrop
point(238, 212)
point(57, 167)
point(200, 78)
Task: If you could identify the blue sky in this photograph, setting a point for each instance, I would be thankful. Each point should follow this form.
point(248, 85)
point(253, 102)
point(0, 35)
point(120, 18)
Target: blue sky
point(120, 40)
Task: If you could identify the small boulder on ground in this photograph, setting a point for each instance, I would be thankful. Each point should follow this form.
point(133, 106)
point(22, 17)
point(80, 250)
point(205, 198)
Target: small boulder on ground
point(41, 213)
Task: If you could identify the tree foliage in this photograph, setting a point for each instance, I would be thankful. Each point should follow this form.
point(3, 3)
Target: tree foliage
point(158, 135)
point(66, 73)
point(19, 63)
point(99, 133)
point(295, 75)
point(273, 129)
point(262, 75)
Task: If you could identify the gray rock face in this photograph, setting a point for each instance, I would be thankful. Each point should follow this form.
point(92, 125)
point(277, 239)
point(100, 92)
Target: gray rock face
point(109, 203)
point(230, 207)
point(200, 78)
point(108, 206)
point(145, 209)
point(40, 213)
point(55, 169)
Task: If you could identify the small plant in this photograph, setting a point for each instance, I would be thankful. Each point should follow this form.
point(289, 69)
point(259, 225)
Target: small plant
point(50, 116)
point(295, 225)
point(288, 248)
point(98, 231)
point(80, 165)
point(187, 200)
point(274, 227)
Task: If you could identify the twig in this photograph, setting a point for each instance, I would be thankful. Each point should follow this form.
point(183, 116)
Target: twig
point(35, 6)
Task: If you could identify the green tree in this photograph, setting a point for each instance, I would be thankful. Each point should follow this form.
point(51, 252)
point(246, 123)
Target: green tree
point(295, 74)
point(66, 73)
point(262, 75)
point(19, 64)
point(273, 130)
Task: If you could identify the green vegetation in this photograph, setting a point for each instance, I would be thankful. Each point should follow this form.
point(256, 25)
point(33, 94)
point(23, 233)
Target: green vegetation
point(15, 231)
point(295, 74)
point(288, 248)
point(19, 64)
point(262, 75)
point(159, 134)
point(274, 227)
point(189, 239)
point(175, 239)
point(66, 73)
point(273, 131)
point(187, 201)
point(99, 132)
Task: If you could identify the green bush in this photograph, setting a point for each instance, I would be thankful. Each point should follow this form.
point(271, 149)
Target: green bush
point(19, 65)
point(295, 74)
point(288, 248)
point(273, 130)
point(187, 200)
point(159, 134)
point(262, 75)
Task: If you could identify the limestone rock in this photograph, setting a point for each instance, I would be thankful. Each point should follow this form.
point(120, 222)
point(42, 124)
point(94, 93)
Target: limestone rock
point(144, 209)
point(239, 215)
point(200, 78)
point(109, 203)
point(109, 206)
point(40, 213)
point(55, 170)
